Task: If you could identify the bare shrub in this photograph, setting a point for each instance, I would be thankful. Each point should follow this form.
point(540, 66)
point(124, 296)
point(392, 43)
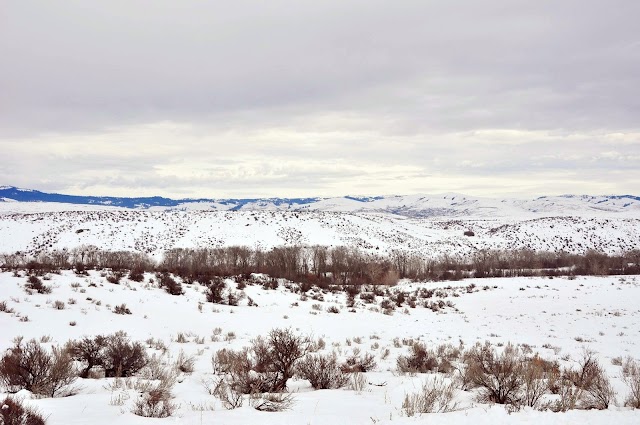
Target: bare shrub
point(267, 365)
point(13, 412)
point(586, 387)
point(419, 360)
point(156, 403)
point(322, 371)
point(5, 309)
point(230, 398)
point(62, 374)
point(169, 284)
point(357, 381)
point(534, 381)
point(156, 370)
point(123, 357)
point(215, 290)
point(436, 396)
point(58, 305)
point(184, 363)
point(631, 377)
point(500, 377)
point(35, 284)
point(284, 350)
point(136, 275)
point(121, 309)
point(272, 402)
point(357, 363)
point(115, 353)
point(89, 351)
point(594, 389)
point(31, 367)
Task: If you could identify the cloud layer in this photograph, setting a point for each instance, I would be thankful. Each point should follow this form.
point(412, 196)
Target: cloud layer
point(297, 98)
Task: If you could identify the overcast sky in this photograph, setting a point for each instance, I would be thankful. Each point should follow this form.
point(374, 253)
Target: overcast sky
point(189, 98)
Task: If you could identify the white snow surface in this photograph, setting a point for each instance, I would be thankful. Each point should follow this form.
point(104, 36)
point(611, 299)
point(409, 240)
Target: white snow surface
point(565, 316)
point(33, 229)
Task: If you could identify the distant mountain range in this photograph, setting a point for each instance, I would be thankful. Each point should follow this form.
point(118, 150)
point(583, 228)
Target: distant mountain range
point(11, 193)
point(443, 205)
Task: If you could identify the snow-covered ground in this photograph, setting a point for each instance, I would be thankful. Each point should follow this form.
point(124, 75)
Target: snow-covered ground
point(154, 232)
point(555, 317)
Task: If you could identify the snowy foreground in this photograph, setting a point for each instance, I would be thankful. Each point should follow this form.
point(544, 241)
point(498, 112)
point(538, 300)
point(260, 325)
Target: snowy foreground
point(556, 317)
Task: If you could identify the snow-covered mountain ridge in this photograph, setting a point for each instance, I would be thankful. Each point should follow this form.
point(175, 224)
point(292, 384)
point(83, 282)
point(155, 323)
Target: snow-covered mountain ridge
point(443, 205)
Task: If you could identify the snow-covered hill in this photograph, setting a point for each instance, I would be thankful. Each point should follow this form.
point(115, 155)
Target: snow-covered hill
point(156, 231)
point(425, 225)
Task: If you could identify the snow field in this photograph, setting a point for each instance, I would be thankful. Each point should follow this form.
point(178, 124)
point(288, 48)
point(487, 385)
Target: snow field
point(555, 317)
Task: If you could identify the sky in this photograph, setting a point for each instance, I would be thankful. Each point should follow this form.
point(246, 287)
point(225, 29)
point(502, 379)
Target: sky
point(320, 98)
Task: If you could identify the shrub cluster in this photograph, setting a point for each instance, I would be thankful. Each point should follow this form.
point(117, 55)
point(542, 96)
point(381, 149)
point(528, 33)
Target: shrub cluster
point(266, 365)
point(14, 412)
point(35, 284)
point(30, 366)
point(169, 284)
point(322, 371)
point(421, 360)
point(115, 353)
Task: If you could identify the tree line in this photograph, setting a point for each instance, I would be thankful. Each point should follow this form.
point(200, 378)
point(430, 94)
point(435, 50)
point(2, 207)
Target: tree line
point(330, 265)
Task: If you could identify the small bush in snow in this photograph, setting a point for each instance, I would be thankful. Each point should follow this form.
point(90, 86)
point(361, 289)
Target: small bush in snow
point(35, 284)
point(499, 376)
point(355, 363)
point(13, 412)
point(436, 396)
point(31, 367)
point(169, 284)
point(272, 402)
point(121, 309)
point(115, 353)
point(136, 275)
point(266, 366)
point(322, 371)
point(631, 377)
point(156, 403)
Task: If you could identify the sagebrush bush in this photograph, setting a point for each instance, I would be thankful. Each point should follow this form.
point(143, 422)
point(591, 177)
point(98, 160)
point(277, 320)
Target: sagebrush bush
point(230, 398)
point(322, 371)
point(155, 403)
point(593, 389)
point(535, 381)
point(35, 284)
point(631, 377)
point(215, 289)
point(89, 351)
point(266, 365)
point(419, 360)
point(499, 376)
point(123, 357)
point(436, 396)
point(114, 278)
point(121, 309)
point(272, 402)
point(31, 367)
point(355, 363)
point(136, 275)
point(169, 284)
point(115, 353)
point(184, 363)
point(14, 412)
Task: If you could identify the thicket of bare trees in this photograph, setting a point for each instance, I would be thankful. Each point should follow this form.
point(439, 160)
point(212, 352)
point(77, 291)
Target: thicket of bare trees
point(321, 265)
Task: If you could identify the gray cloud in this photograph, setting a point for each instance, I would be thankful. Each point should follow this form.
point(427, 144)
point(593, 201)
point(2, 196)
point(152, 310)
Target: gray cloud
point(319, 98)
